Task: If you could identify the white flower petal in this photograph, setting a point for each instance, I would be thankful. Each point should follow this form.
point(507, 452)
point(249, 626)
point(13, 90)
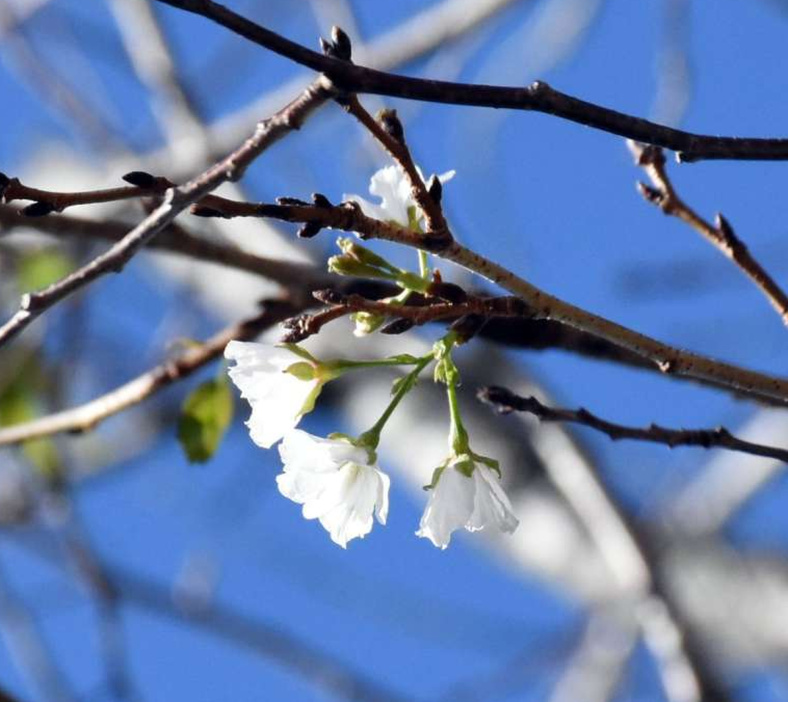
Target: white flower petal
point(370, 209)
point(382, 501)
point(277, 398)
point(491, 505)
point(335, 482)
point(393, 188)
point(449, 508)
point(458, 501)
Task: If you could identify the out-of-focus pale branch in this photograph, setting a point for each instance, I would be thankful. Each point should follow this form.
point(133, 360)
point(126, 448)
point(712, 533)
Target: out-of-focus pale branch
point(49, 85)
point(242, 629)
point(153, 63)
point(29, 649)
point(297, 277)
point(87, 416)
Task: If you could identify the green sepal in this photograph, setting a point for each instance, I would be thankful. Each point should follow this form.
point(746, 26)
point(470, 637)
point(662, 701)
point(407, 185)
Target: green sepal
point(302, 370)
point(436, 475)
point(311, 398)
point(491, 463)
point(465, 464)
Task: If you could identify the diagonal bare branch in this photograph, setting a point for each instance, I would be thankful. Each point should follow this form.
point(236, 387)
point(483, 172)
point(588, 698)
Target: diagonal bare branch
point(538, 97)
point(231, 168)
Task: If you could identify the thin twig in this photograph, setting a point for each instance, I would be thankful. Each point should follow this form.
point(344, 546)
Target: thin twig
point(53, 201)
point(416, 311)
point(720, 234)
point(505, 401)
point(670, 360)
point(538, 97)
point(176, 199)
point(88, 416)
point(301, 279)
point(397, 148)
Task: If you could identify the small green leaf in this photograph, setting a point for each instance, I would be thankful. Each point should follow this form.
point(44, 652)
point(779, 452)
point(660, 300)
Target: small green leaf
point(41, 268)
point(205, 416)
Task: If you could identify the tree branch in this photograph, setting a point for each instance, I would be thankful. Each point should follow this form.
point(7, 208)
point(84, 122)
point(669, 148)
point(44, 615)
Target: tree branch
point(720, 235)
point(348, 216)
point(176, 199)
point(297, 277)
point(88, 416)
point(505, 401)
point(538, 97)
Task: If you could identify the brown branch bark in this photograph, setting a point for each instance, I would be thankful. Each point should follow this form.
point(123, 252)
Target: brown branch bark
point(505, 401)
point(668, 359)
point(721, 235)
point(397, 148)
point(538, 97)
point(176, 200)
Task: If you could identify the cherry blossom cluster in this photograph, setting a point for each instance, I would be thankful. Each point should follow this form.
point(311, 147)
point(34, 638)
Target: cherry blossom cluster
point(337, 479)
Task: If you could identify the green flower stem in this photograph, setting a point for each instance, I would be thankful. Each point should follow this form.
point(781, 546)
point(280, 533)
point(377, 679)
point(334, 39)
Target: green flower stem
point(371, 437)
point(340, 366)
point(424, 266)
point(414, 225)
point(458, 435)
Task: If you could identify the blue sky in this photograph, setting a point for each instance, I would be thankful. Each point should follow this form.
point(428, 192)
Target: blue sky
point(556, 202)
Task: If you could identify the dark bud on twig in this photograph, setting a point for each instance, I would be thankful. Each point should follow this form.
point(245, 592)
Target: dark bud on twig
point(389, 120)
point(38, 209)
point(398, 326)
point(339, 47)
point(140, 179)
point(329, 297)
point(308, 230)
point(291, 201)
point(202, 211)
point(468, 326)
point(653, 195)
point(435, 189)
point(342, 45)
point(724, 227)
point(447, 291)
point(321, 201)
point(500, 399)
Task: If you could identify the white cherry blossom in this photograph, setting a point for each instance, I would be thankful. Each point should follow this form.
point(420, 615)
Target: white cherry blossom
point(393, 188)
point(461, 501)
point(278, 398)
point(337, 483)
